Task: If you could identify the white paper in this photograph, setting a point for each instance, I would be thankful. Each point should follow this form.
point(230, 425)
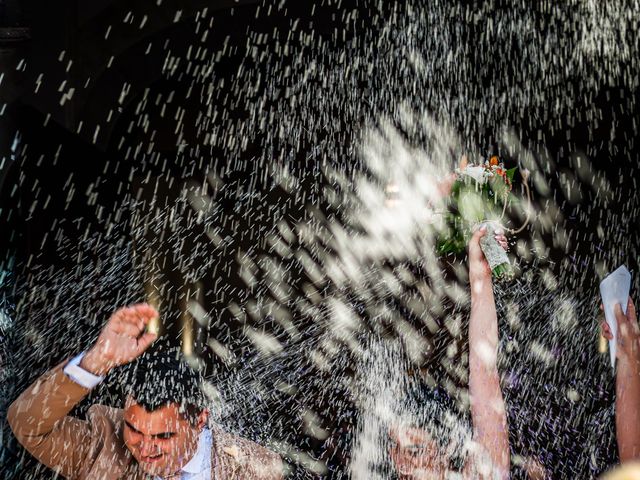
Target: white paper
point(615, 289)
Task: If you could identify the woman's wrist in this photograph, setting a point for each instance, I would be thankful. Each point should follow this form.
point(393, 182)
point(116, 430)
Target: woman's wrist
point(479, 276)
point(629, 365)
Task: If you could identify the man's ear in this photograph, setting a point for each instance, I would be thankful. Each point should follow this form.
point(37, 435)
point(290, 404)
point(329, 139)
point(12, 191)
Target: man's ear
point(203, 418)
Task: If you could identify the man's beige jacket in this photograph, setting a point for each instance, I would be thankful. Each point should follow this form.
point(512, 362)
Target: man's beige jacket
point(93, 449)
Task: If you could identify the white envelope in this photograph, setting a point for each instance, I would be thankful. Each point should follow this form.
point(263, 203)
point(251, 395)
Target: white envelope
point(615, 289)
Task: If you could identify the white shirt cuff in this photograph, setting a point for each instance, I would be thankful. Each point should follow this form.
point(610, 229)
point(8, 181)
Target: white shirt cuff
point(79, 375)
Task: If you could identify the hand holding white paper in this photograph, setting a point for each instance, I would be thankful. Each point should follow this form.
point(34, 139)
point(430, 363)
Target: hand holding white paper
point(615, 289)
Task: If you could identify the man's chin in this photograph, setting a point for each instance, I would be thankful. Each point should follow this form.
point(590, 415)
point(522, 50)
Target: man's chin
point(154, 466)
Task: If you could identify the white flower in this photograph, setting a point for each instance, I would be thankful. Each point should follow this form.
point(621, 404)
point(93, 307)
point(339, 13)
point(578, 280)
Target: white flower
point(478, 173)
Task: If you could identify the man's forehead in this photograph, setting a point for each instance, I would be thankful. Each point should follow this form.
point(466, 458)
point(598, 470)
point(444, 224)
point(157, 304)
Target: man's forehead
point(132, 402)
point(165, 416)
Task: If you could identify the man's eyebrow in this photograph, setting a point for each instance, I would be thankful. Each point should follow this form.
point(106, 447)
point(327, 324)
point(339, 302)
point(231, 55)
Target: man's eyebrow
point(132, 427)
point(163, 434)
point(156, 435)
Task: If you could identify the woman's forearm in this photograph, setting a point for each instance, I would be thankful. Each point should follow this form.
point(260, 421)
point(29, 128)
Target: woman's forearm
point(487, 403)
point(628, 409)
point(483, 324)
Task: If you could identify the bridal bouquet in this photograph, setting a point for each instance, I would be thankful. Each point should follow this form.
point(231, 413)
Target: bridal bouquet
point(479, 196)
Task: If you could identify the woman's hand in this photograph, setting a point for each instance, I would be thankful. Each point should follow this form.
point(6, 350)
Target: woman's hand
point(478, 265)
point(628, 343)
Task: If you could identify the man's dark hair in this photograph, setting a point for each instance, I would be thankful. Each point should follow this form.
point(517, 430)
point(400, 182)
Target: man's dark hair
point(162, 377)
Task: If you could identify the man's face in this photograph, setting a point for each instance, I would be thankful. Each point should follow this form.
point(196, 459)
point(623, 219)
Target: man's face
point(415, 455)
point(162, 441)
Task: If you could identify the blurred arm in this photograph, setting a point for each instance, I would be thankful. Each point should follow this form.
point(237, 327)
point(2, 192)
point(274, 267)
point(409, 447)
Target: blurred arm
point(38, 419)
point(628, 385)
point(488, 413)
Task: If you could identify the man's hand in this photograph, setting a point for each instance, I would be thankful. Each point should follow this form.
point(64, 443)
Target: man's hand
point(478, 265)
point(122, 339)
point(628, 333)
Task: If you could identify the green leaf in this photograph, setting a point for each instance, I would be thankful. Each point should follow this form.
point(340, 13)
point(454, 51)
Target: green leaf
point(471, 206)
point(511, 172)
point(504, 269)
point(455, 189)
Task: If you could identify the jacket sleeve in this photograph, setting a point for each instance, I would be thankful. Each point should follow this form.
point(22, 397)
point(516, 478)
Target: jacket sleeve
point(38, 419)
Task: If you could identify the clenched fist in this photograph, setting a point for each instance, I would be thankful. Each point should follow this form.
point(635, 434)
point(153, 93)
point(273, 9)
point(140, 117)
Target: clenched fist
point(122, 339)
point(478, 266)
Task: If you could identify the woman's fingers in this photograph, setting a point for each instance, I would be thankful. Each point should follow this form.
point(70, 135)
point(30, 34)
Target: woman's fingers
point(502, 241)
point(606, 331)
point(474, 243)
point(631, 311)
point(632, 319)
point(622, 320)
point(628, 331)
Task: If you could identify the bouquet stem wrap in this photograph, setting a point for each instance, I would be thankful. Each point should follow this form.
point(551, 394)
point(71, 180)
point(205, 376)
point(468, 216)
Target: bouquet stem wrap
point(493, 252)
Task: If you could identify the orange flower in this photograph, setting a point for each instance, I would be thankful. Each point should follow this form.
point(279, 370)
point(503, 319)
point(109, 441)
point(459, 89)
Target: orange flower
point(493, 161)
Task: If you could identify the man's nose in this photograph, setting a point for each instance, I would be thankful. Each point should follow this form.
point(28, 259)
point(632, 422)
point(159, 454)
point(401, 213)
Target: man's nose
point(148, 447)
